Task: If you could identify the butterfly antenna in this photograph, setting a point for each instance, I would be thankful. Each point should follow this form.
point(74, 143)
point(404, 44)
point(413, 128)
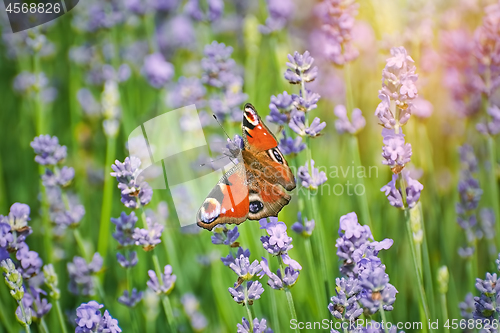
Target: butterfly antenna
point(218, 122)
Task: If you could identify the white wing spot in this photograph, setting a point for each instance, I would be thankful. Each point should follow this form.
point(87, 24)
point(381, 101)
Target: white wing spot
point(265, 133)
point(259, 127)
point(232, 209)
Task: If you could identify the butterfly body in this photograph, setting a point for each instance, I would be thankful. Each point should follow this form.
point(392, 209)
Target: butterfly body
point(254, 188)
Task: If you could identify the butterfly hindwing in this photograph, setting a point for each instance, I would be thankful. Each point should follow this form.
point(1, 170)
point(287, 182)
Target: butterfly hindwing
point(227, 202)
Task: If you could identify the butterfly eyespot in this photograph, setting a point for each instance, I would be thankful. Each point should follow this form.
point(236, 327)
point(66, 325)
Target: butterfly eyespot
point(255, 207)
point(275, 154)
point(210, 210)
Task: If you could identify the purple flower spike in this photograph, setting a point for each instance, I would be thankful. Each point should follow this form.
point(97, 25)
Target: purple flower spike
point(396, 153)
point(311, 180)
point(303, 226)
point(244, 269)
point(18, 217)
point(47, 150)
point(338, 21)
point(150, 237)
point(290, 146)
point(127, 263)
point(157, 71)
point(167, 281)
point(392, 193)
point(81, 275)
point(300, 68)
point(131, 299)
point(413, 189)
point(280, 12)
point(276, 117)
point(246, 293)
point(493, 126)
point(125, 225)
point(134, 190)
point(30, 262)
point(90, 319)
point(343, 125)
point(259, 326)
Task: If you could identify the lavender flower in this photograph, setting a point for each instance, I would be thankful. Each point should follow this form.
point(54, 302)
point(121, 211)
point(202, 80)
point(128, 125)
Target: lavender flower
point(259, 326)
point(187, 91)
point(213, 13)
point(343, 125)
point(134, 190)
point(289, 146)
point(157, 71)
point(297, 124)
point(127, 263)
point(18, 217)
point(230, 259)
point(338, 21)
point(393, 193)
point(47, 150)
point(311, 180)
point(124, 228)
point(59, 177)
point(81, 275)
point(493, 126)
point(217, 64)
point(244, 269)
point(303, 226)
point(246, 293)
point(150, 237)
point(395, 152)
point(300, 68)
point(30, 262)
point(467, 307)
point(131, 299)
point(166, 283)
point(280, 13)
point(90, 319)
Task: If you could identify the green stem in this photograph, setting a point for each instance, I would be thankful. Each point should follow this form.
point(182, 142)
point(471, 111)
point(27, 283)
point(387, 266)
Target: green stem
point(23, 311)
point(167, 307)
point(316, 287)
point(249, 313)
point(444, 308)
point(81, 244)
point(382, 314)
point(320, 233)
point(61, 317)
point(43, 326)
point(107, 200)
point(421, 289)
point(289, 297)
point(362, 199)
point(493, 183)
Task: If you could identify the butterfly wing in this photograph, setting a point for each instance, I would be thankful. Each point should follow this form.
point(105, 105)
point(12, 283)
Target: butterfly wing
point(227, 202)
point(267, 171)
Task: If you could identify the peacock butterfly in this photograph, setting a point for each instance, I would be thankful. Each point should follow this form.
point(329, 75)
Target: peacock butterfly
point(255, 187)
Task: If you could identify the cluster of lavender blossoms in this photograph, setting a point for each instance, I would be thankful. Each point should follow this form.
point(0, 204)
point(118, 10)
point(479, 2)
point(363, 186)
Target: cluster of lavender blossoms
point(246, 289)
point(220, 72)
point(337, 17)
point(22, 270)
point(278, 243)
point(475, 224)
point(485, 306)
point(397, 93)
point(365, 286)
point(82, 275)
point(65, 209)
point(90, 319)
point(293, 110)
point(280, 13)
point(213, 12)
